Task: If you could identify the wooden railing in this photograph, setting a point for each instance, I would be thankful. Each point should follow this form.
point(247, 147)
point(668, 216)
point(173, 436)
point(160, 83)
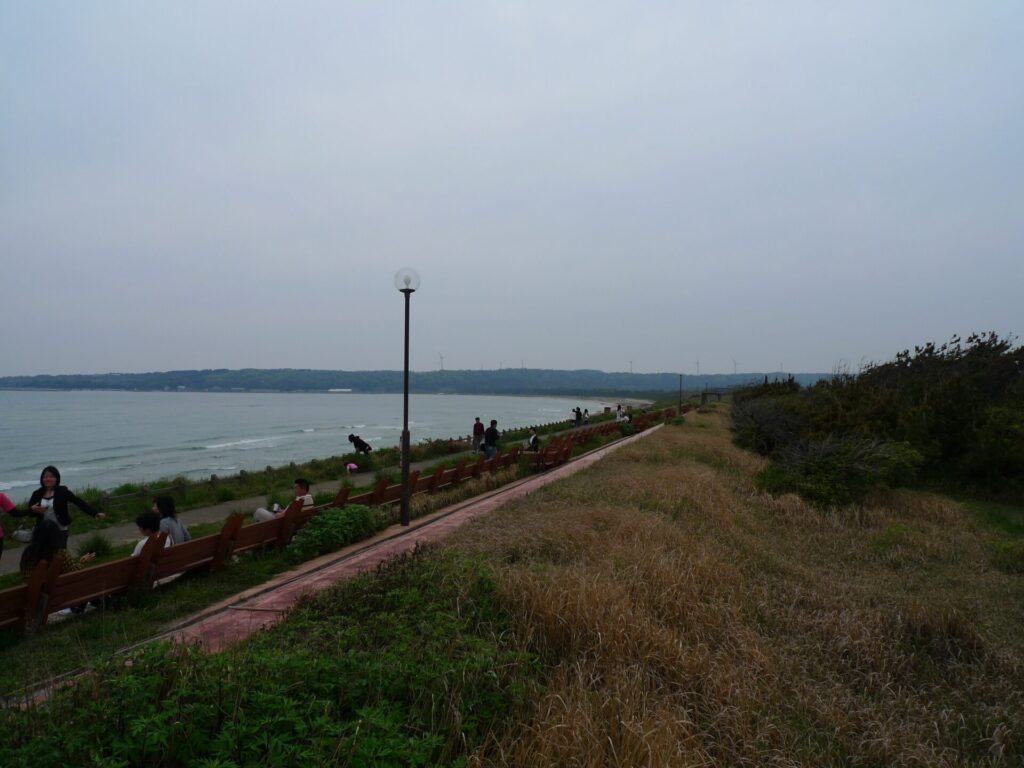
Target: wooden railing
point(47, 590)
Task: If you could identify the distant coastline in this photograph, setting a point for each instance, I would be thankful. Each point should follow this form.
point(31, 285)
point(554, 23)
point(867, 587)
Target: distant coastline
point(508, 381)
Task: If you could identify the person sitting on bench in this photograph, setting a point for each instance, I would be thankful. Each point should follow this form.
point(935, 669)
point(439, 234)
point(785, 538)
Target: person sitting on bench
point(360, 445)
point(301, 491)
point(149, 525)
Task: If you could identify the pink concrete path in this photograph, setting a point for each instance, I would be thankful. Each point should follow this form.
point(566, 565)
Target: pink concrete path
point(232, 620)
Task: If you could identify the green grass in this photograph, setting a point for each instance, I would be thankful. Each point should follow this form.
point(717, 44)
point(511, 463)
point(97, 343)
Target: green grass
point(412, 665)
point(59, 648)
point(1006, 519)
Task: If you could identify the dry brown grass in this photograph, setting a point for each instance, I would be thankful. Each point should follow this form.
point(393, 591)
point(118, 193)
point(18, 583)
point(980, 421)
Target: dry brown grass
point(687, 619)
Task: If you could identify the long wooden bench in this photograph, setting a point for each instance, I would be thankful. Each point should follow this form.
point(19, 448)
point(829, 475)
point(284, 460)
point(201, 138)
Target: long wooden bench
point(98, 582)
point(271, 533)
point(204, 552)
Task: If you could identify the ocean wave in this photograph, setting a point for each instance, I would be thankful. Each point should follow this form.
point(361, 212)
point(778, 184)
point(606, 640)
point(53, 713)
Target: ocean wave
point(10, 485)
point(307, 430)
point(236, 443)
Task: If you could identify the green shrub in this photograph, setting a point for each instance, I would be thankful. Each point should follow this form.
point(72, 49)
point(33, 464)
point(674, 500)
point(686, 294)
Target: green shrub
point(96, 543)
point(331, 530)
point(626, 428)
point(389, 476)
point(1008, 556)
point(323, 497)
point(839, 470)
point(226, 494)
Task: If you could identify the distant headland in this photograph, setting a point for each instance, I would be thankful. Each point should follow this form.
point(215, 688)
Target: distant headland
point(506, 381)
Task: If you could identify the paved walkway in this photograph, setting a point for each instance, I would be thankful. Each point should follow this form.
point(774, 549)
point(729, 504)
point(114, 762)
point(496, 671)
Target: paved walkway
point(234, 619)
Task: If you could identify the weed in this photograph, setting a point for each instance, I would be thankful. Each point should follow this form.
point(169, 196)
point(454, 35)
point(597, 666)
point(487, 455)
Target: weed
point(1008, 556)
point(226, 494)
point(331, 530)
point(96, 543)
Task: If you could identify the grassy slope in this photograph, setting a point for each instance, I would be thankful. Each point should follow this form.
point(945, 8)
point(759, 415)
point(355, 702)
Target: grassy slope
point(688, 620)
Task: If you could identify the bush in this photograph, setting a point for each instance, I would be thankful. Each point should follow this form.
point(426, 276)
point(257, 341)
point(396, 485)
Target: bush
point(837, 470)
point(331, 530)
point(96, 543)
point(766, 424)
point(226, 494)
point(1008, 556)
point(997, 451)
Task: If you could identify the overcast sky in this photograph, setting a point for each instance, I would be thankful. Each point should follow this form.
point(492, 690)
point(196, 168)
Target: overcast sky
point(579, 184)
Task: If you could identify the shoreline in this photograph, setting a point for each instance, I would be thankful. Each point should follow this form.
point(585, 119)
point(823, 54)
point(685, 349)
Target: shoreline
point(105, 438)
point(194, 478)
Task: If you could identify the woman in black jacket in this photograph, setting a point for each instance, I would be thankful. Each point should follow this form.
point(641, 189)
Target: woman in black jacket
point(50, 502)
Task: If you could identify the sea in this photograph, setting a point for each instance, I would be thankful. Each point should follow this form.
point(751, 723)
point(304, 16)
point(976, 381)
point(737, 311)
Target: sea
point(102, 439)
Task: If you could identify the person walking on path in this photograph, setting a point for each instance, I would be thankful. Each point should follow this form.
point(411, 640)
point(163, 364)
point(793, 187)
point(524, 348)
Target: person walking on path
point(301, 491)
point(586, 416)
point(50, 502)
point(491, 439)
point(478, 434)
point(579, 416)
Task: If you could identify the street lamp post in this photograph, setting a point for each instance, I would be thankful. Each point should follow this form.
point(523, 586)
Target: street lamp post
point(406, 281)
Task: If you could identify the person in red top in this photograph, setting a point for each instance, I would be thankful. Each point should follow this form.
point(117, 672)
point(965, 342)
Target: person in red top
point(478, 433)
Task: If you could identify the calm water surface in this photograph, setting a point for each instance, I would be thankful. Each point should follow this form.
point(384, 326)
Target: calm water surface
point(103, 439)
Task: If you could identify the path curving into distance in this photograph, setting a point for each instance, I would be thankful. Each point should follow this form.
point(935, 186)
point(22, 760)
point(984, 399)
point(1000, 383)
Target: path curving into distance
point(236, 618)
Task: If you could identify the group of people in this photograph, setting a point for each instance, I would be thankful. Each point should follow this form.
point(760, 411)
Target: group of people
point(49, 503)
point(580, 417)
point(486, 440)
point(48, 537)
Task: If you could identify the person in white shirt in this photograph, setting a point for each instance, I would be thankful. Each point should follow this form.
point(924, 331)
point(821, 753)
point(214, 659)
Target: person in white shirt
point(149, 525)
point(301, 491)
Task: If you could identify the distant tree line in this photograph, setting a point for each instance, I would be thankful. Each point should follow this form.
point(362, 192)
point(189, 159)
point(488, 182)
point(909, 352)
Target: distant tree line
point(950, 414)
point(507, 381)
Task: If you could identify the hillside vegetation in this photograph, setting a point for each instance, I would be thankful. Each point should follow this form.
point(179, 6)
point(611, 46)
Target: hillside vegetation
point(685, 618)
point(655, 609)
point(951, 416)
